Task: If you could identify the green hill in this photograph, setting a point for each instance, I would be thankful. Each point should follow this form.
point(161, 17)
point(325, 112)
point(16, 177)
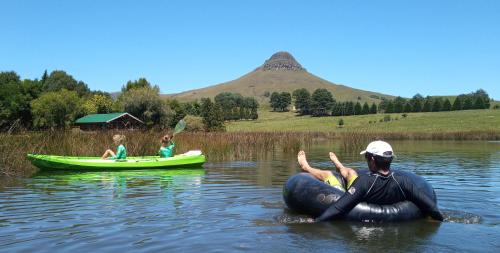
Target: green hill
point(279, 73)
point(420, 123)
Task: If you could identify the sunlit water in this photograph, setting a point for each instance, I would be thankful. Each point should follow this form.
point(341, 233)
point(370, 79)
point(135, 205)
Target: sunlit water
point(237, 206)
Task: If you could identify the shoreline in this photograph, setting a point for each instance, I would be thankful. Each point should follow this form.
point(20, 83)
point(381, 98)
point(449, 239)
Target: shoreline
point(217, 146)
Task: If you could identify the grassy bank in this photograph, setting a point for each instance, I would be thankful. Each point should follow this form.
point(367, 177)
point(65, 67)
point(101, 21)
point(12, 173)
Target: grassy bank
point(244, 140)
point(470, 124)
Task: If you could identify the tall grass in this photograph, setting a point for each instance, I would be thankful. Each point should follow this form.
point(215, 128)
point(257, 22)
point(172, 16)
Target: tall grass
point(216, 146)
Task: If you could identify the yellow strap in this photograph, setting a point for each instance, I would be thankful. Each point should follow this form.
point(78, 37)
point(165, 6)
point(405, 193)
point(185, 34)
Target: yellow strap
point(333, 181)
point(351, 180)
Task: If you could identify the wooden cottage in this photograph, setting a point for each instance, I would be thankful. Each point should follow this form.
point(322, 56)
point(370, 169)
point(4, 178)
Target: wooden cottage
point(119, 120)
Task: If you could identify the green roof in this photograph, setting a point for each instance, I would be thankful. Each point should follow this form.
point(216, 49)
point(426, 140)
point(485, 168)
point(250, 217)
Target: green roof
point(102, 118)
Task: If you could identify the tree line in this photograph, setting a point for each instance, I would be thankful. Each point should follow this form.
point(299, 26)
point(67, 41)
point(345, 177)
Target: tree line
point(474, 100)
point(57, 99)
point(322, 103)
point(319, 103)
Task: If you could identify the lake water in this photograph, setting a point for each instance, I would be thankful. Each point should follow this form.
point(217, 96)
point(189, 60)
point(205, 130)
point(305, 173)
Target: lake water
point(237, 206)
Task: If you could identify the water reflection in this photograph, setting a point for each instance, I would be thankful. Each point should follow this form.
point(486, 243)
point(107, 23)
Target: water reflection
point(358, 236)
point(128, 184)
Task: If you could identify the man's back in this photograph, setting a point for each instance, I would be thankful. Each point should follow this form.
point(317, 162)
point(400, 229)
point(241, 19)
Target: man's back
point(381, 189)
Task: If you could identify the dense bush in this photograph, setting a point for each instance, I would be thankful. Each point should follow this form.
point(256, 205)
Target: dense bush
point(146, 104)
point(302, 99)
point(280, 101)
point(56, 109)
point(321, 102)
point(236, 107)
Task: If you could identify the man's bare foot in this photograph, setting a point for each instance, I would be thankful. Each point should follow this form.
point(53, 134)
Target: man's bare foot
point(333, 158)
point(301, 158)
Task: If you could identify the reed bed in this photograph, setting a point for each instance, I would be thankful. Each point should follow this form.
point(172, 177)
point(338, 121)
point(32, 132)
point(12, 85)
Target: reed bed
point(217, 146)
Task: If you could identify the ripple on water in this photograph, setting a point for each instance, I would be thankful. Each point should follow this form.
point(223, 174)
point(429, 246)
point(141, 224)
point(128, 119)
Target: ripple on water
point(461, 217)
point(237, 206)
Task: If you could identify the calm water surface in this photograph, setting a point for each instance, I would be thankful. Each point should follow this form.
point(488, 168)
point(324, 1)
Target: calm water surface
point(237, 206)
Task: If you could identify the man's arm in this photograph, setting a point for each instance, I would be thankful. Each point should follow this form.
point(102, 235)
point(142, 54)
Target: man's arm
point(348, 201)
point(418, 196)
point(428, 206)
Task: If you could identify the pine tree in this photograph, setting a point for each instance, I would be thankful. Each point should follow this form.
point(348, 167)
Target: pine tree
point(390, 107)
point(479, 104)
point(399, 104)
point(468, 103)
point(457, 105)
point(44, 77)
point(437, 106)
point(446, 105)
point(358, 109)
point(427, 105)
point(373, 109)
point(408, 107)
point(349, 110)
point(366, 109)
point(416, 102)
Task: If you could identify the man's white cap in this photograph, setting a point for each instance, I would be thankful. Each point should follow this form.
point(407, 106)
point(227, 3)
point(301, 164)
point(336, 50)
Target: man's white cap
point(379, 148)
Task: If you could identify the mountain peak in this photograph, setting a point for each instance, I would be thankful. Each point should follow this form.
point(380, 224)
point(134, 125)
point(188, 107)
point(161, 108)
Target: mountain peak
point(281, 61)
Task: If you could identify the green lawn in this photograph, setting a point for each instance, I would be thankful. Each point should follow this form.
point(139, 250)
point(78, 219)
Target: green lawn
point(430, 122)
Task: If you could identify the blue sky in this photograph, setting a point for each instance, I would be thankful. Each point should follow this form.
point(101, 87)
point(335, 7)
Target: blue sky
point(394, 47)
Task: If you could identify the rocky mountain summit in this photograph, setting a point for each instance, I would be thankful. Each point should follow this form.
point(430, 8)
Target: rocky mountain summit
point(279, 73)
point(281, 61)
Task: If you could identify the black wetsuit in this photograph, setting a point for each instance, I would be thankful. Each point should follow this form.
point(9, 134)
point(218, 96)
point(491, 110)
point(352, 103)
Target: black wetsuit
point(383, 190)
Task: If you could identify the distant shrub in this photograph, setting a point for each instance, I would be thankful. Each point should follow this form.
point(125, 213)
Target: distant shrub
point(404, 115)
point(193, 123)
point(496, 107)
point(341, 123)
point(387, 118)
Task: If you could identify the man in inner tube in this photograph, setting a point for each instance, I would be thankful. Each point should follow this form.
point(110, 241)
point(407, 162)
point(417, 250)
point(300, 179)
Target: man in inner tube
point(378, 186)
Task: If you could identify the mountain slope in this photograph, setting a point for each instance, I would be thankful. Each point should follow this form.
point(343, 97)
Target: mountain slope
point(279, 73)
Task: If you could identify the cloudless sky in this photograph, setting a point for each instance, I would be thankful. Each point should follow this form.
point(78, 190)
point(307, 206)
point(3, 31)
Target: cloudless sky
point(394, 47)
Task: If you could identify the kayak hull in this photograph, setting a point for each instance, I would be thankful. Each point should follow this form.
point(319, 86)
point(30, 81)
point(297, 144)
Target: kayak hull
point(52, 162)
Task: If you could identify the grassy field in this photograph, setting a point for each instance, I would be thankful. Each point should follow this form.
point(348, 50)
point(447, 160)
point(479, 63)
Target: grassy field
point(419, 123)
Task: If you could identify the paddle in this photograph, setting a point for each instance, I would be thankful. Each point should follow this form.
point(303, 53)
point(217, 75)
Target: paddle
point(179, 127)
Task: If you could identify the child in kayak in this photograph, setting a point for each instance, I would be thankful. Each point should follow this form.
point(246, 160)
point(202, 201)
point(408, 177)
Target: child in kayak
point(121, 151)
point(167, 146)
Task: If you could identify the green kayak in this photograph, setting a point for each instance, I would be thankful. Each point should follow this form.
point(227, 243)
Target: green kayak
point(53, 162)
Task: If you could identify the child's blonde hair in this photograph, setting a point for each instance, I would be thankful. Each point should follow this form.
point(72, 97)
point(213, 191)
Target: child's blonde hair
point(119, 138)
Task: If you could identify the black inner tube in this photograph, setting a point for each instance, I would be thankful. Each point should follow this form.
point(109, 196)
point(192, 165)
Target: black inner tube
point(305, 194)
